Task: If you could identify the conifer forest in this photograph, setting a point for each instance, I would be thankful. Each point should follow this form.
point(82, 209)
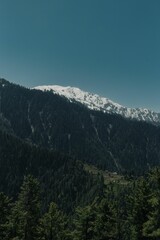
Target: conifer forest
point(70, 173)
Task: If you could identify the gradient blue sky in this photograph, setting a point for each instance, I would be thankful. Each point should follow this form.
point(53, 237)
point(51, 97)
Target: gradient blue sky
point(109, 47)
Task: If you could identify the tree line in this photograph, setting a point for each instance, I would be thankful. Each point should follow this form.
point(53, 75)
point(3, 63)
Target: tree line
point(129, 212)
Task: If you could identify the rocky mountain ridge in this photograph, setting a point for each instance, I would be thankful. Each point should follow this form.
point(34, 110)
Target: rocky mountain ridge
point(96, 102)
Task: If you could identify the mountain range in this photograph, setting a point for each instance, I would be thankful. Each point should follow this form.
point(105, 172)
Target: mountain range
point(106, 140)
point(89, 162)
point(54, 136)
point(95, 102)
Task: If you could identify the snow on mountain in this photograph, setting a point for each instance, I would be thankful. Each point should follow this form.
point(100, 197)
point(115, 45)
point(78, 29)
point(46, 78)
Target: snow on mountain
point(95, 102)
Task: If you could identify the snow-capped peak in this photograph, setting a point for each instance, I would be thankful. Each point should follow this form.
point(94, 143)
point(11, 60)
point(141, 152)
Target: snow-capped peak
point(95, 102)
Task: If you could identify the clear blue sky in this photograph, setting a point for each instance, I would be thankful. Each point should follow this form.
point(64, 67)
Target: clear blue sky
point(109, 47)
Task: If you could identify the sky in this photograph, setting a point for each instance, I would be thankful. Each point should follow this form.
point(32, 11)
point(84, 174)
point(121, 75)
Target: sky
point(108, 47)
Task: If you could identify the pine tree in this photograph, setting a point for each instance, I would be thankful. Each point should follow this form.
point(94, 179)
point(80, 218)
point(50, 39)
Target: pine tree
point(84, 224)
point(105, 224)
point(5, 207)
point(53, 224)
point(24, 221)
point(139, 208)
point(151, 228)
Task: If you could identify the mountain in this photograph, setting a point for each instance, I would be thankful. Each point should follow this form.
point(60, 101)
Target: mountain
point(95, 102)
point(51, 137)
point(108, 141)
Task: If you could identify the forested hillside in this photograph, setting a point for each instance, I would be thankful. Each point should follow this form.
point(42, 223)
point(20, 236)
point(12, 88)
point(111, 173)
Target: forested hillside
point(62, 178)
point(48, 193)
point(107, 141)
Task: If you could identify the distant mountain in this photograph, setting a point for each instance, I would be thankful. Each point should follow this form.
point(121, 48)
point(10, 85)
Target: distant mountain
point(95, 102)
point(108, 141)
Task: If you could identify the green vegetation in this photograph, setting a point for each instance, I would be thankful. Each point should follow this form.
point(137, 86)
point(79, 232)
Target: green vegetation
point(109, 177)
point(130, 213)
point(62, 178)
point(67, 173)
point(106, 141)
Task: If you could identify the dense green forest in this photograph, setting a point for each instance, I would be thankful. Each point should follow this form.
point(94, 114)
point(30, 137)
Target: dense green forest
point(63, 179)
point(68, 173)
point(105, 140)
point(130, 212)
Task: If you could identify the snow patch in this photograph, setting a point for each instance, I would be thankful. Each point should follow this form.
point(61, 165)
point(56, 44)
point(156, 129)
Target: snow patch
point(95, 102)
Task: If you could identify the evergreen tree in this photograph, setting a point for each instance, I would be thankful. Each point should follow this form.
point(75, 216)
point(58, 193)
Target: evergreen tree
point(84, 224)
point(138, 209)
point(24, 221)
point(151, 228)
point(5, 207)
point(53, 224)
point(105, 224)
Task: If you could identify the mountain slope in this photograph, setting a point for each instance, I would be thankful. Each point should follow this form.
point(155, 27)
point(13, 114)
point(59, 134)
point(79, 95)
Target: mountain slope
point(95, 102)
point(62, 178)
point(108, 141)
